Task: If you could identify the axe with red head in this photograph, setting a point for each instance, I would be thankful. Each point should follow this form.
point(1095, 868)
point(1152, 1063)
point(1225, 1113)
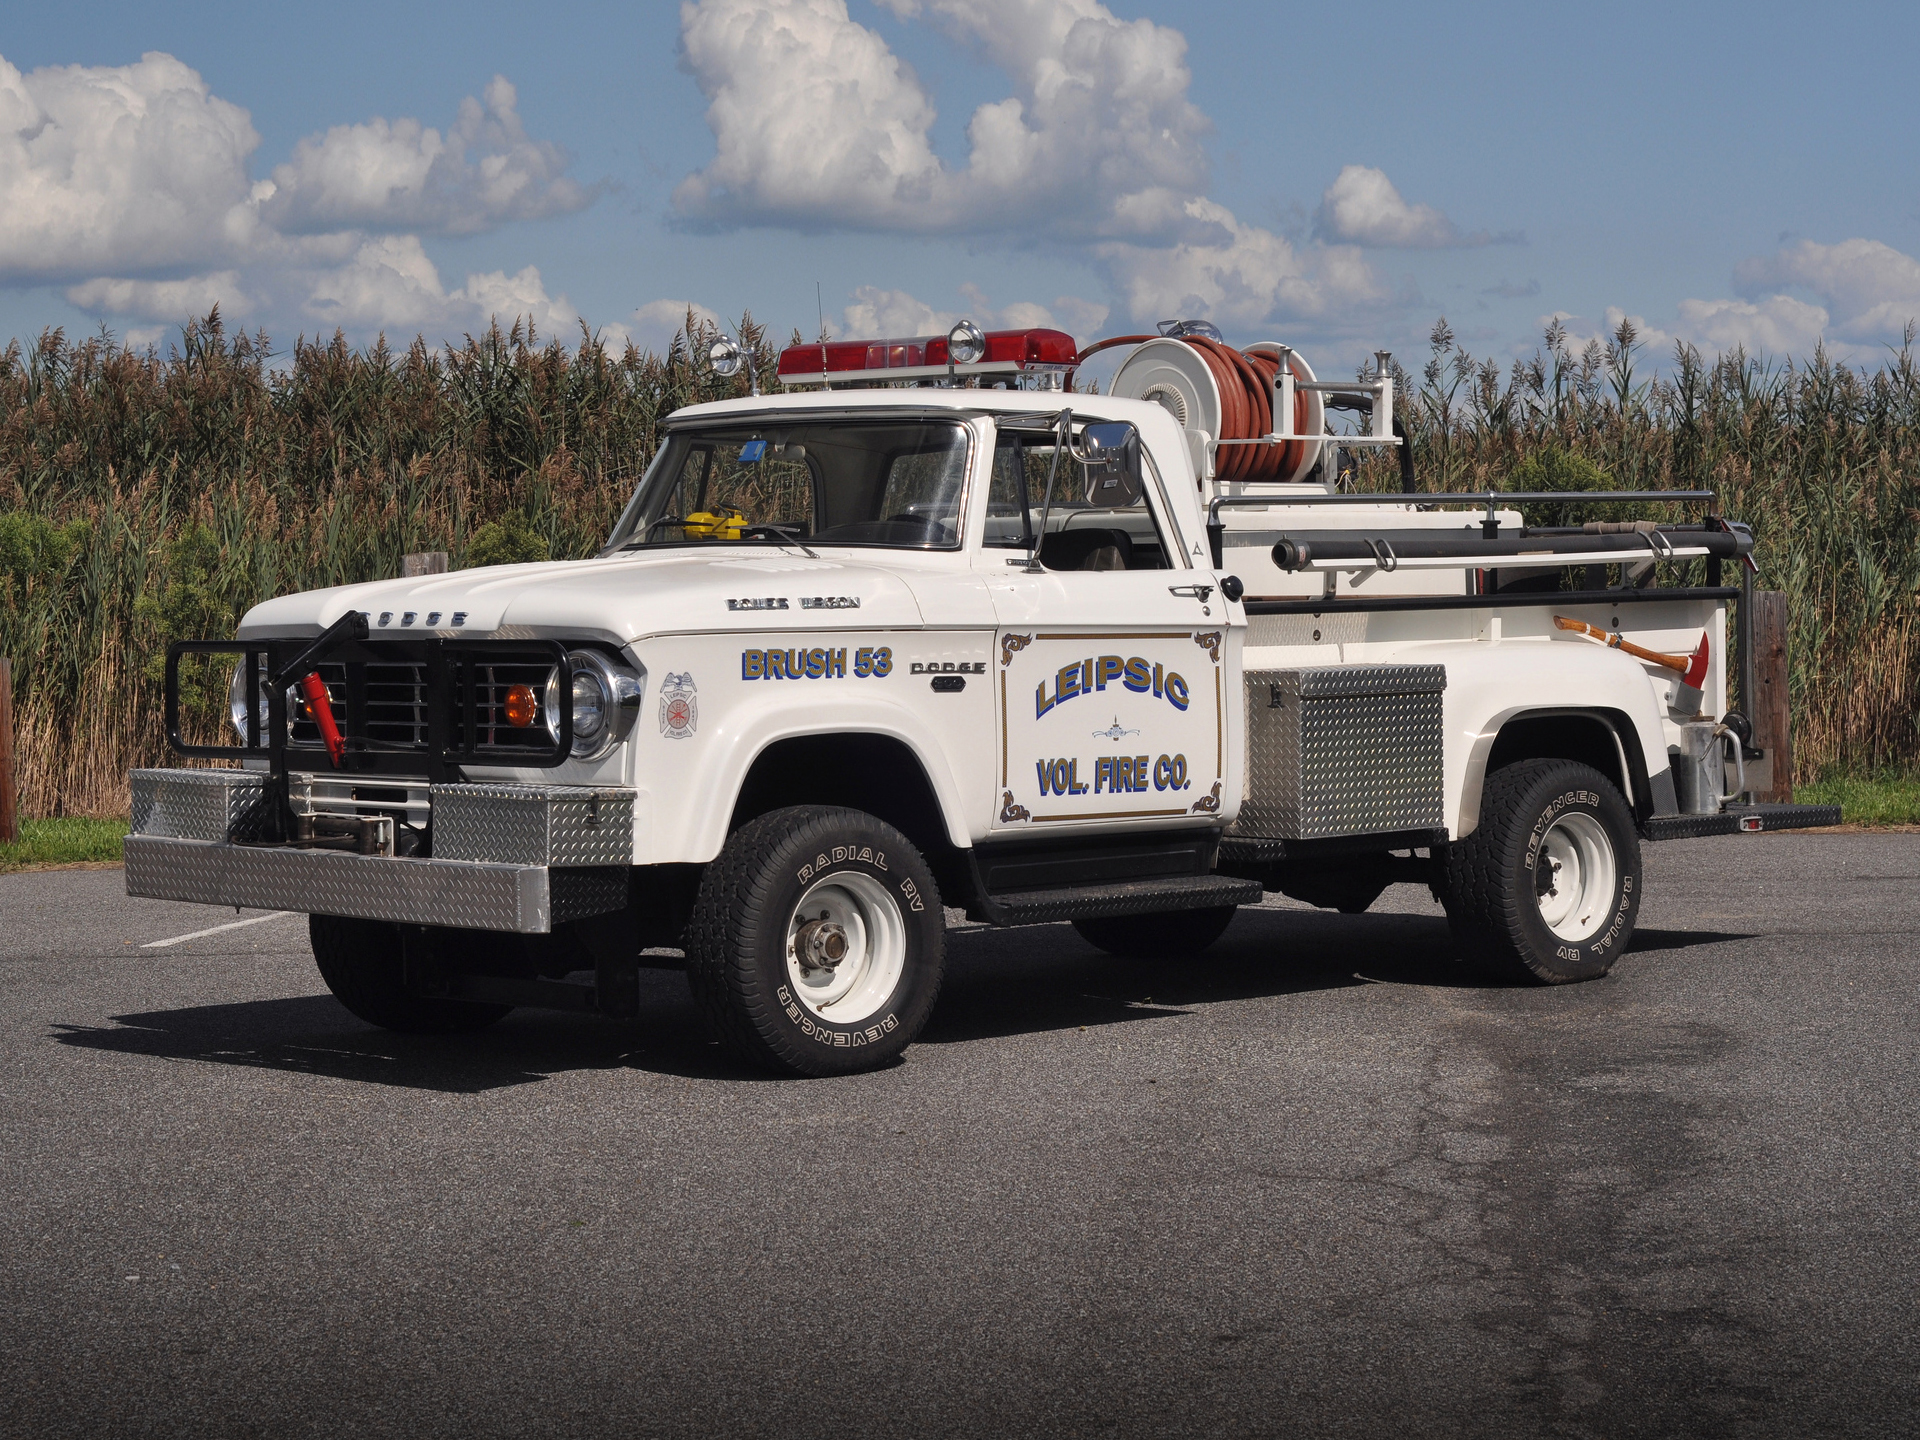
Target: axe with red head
point(1692, 669)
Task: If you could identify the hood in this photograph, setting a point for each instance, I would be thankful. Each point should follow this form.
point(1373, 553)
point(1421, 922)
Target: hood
point(617, 599)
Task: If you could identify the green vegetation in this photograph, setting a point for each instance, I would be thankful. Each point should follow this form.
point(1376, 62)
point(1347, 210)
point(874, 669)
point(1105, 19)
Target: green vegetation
point(64, 842)
point(145, 497)
point(506, 542)
point(1867, 799)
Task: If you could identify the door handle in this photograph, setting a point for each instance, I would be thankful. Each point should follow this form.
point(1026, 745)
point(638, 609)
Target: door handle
point(1198, 592)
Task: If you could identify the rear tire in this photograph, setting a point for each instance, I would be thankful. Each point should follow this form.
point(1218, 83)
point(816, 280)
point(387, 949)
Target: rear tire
point(363, 963)
point(817, 942)
point(1160, 935)
point(1548, 888)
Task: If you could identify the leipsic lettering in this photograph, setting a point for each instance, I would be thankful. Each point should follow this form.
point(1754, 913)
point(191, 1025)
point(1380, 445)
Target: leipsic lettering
point(1095, 673)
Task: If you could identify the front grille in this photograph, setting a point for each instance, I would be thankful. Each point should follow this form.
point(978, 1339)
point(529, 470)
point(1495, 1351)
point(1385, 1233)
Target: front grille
point(490, 687)
point(392, 715)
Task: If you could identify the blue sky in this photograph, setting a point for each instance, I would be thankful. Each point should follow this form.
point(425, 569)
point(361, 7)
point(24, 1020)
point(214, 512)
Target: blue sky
point(1725, 173)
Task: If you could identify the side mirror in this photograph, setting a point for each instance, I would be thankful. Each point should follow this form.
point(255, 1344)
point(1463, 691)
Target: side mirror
point(1110, 453)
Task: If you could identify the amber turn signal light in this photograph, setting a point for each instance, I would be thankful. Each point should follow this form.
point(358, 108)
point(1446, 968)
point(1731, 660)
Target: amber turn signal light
point(521, 707)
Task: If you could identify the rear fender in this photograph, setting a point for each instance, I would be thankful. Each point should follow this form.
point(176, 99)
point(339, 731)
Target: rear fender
point(1605, 686)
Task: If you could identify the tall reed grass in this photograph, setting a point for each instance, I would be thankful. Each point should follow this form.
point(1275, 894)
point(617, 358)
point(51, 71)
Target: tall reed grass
point(1823, 460)
point(145, 497)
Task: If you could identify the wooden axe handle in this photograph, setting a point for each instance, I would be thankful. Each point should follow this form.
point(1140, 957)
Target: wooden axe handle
point(1676, 663)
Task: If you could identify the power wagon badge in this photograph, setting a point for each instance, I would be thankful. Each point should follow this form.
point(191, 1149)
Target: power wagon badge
point(679, 707)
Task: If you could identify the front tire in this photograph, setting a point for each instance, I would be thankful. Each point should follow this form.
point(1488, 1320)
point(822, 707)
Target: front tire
point(363, 963)
point(1548, 888)
point(817, 942)
point(1167, 933)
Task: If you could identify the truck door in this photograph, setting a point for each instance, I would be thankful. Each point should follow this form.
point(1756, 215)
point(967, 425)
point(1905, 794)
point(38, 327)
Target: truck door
point(1109, 689)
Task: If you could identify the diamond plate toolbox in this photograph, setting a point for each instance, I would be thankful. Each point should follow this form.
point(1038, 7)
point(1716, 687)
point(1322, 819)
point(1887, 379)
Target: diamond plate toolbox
point(557, 825)
point(197, 804)
point(1343, 750)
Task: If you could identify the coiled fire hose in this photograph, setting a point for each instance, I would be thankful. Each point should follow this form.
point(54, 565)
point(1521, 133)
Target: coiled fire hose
point(1245, 382)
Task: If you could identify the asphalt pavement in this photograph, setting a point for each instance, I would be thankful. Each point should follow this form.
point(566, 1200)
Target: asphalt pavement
point(1318, 1182)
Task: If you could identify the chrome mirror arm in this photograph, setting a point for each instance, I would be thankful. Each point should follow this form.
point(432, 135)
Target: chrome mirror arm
point(1062, 440)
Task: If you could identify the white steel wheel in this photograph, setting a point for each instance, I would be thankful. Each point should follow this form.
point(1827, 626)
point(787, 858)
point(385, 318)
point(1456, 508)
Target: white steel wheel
point(1548, 887)
point(1575, 876)
point(846, 947)
point(817, 942)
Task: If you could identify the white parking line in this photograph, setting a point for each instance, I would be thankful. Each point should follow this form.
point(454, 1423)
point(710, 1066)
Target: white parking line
point(217, 929)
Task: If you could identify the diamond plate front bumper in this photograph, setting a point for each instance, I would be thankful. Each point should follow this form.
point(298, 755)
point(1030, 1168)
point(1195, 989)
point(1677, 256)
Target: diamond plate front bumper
point(468, 895)
point(522, 858)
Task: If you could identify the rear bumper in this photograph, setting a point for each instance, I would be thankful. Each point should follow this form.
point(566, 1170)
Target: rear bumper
point(468, 895)
point(1740, 819)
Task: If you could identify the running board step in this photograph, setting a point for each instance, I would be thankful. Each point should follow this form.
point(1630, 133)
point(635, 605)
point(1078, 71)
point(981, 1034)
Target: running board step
point(1124, 897)
point(1740, 819)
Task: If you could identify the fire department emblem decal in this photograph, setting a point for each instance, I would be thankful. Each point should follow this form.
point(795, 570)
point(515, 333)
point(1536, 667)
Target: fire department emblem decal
point(679, 707)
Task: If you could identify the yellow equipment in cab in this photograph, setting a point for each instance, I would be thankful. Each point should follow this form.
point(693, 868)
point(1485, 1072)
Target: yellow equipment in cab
point(706, 525)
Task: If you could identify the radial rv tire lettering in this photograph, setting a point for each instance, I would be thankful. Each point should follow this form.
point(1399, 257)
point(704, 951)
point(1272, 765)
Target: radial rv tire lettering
point(363, 963)
point(841, 985)
point(1169, 932)
point(1548, 888)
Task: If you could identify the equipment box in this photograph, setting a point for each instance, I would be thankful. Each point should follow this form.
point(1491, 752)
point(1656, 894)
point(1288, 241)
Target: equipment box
point(1343, 750)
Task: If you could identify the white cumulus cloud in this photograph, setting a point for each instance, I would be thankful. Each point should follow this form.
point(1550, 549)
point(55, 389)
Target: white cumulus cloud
point(119, 169)
point(391, 283)
point(1649, 339)
point(876, 313)
point(818, 125)
point(1775, 325)
point(653, 325)
point(1249, 277)
point(131, 187)
point(1362, 207)
point(1871, 289)
point(816, 121)
point(400, 175)
point(170, 300)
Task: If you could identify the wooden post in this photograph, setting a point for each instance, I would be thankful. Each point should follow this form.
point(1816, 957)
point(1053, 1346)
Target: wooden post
point(1772, 718)
point(430, 562)
point(9, 788)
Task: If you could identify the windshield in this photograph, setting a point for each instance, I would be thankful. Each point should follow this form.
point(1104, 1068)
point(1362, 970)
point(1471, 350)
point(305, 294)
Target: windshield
point(897, 483)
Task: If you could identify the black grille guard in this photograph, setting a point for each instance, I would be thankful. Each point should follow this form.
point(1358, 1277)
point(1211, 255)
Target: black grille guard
point(450, 693)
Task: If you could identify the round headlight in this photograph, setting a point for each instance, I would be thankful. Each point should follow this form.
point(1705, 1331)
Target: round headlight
point(606, 698)
point(965, 344)
point(590, 705)
point(237, 704)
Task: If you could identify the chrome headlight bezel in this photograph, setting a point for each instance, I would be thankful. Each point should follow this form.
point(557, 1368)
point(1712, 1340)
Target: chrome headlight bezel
point(237, 703)
point(615, 692)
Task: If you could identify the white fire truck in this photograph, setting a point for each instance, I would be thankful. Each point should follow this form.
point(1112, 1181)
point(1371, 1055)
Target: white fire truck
point(932, 629)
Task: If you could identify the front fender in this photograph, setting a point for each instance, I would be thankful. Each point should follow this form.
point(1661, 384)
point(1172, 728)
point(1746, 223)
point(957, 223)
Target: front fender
point(695, 781)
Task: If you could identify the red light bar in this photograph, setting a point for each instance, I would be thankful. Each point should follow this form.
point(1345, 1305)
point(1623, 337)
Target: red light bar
point(924, 357)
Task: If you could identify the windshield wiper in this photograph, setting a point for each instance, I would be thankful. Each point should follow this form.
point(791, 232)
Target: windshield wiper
point(790, 534)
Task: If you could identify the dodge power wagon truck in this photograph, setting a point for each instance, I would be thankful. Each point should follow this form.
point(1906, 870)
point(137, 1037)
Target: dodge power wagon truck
point(928, 630)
